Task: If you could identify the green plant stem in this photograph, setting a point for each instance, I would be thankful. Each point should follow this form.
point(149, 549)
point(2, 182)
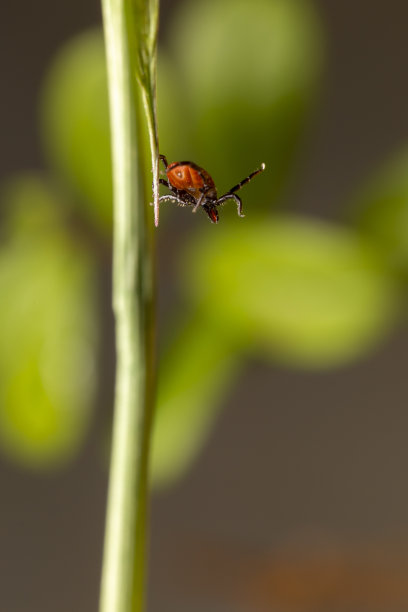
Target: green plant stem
point(123, 572)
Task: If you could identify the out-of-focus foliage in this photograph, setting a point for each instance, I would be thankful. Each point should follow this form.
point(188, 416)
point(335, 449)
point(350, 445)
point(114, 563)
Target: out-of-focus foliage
point(297, 291)
point(236, 82)
point(75, 125)
point(381, 211)
point(197, 371)
point(235, 85)
point(47, 328)
point(308, 293)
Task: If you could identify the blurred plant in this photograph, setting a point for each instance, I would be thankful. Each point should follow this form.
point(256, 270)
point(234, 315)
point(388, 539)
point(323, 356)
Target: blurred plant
point(241, 94)
point(48, 327)
point(302, 292)
point(74, 119)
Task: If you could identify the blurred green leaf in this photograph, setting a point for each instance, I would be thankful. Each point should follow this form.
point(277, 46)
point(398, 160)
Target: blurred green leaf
point(381, 211)
point(236, 85)
point(75, 125)
point(194, 376)
point(307, 293)
point(47, 329)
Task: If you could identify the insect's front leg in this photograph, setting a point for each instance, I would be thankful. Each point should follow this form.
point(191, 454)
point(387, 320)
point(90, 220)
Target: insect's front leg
point(232, 196)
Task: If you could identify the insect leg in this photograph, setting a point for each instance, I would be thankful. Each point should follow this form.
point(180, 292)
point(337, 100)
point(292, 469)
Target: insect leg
point(247, 179)
point(199, 202)
point(231, 196)
point(163, 158)
point(172, 198)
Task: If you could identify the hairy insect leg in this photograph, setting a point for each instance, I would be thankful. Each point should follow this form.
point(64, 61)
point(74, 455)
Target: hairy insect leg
point(232, 196)
point(172, 198)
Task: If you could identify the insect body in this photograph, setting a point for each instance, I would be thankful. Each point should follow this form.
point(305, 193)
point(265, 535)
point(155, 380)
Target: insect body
point(193, 186)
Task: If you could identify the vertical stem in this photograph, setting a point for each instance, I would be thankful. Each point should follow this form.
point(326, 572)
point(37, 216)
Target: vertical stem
point(123, 572)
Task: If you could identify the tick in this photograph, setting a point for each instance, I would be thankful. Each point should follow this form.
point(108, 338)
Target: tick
point(193, 186)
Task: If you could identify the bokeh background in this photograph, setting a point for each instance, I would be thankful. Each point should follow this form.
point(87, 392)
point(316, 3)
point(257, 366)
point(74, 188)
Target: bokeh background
point(280, 454)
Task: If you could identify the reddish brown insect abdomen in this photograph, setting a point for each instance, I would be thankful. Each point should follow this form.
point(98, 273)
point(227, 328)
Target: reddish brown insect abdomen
point(187, 176)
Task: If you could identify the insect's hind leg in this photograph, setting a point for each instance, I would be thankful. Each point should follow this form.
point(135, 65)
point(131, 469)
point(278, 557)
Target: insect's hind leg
point(232, 196)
